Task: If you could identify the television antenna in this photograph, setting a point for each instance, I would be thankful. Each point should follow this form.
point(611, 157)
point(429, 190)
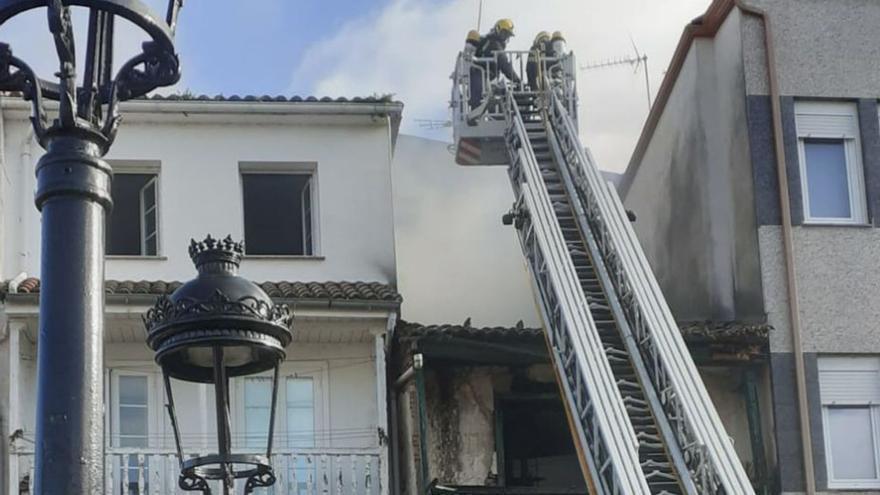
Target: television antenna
point(637, 60)
point(433, 125)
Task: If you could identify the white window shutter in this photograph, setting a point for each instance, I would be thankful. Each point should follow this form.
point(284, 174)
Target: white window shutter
point(849, 380)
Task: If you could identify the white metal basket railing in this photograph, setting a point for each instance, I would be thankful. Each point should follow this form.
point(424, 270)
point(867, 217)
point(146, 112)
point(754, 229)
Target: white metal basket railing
point(144, 471)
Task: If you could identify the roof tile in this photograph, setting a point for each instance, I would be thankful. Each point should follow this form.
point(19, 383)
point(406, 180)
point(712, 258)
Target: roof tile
point(349, 291)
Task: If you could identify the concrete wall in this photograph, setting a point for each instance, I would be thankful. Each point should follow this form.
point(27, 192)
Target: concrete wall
point(692, 189)
point(200, 190)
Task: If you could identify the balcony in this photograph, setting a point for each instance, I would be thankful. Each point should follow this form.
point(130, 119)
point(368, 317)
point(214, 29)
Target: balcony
point(299, 472)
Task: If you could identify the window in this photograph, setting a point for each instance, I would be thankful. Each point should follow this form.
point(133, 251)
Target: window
point(132, 429)
point(300, 408)
point(850, 393)
point(278, 213)
point(295, 423)
point(295, 429)
point(133, 225)
point(257, 404)
point(829, 153)
point(546, 461)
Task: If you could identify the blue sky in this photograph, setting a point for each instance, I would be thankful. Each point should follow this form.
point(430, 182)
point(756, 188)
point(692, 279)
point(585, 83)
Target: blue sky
point(401, 47)
point(235, 46)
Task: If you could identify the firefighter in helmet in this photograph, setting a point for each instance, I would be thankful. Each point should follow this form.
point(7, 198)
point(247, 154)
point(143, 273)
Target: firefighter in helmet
point(492, 45)
point(540, 48)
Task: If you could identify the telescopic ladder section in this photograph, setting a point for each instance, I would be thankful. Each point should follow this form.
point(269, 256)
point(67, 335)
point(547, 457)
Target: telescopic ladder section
point(642, 419)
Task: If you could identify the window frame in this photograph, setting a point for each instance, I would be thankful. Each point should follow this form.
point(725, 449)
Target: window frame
point(315, 370)
point(143, 215)
point(827, 114)
point(144, 167)
point(851, 364)
point(287, 168)
point(155, 397)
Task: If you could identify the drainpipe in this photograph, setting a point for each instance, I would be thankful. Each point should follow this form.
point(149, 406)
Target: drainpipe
point(4, 455)
point(788, 249)
point(423, 425)
point(756, 433)
point(401, 382)
point(25, 190)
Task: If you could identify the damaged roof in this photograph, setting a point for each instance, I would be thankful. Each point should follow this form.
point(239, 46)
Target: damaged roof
point(297, 291)
point(414, 331)
point(702, 331)
point(709, 342)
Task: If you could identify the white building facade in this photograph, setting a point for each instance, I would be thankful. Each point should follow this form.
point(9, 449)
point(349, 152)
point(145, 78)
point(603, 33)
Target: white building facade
point(307, 185)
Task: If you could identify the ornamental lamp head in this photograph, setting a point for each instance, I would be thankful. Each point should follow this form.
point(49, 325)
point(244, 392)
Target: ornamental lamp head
point(212, 328)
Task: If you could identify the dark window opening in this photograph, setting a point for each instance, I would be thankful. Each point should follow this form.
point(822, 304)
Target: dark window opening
point(277, 214)
point(132, 226)
point(545, 460)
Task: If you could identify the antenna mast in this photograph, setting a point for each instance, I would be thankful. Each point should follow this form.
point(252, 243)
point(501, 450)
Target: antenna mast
point(636, 60)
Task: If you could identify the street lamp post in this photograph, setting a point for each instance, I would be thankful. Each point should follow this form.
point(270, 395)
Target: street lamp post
point(216, 327)
point(73, 194)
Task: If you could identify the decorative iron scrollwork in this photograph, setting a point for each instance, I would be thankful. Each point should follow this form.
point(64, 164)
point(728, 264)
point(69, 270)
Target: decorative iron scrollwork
point(156, 66)
point(218, 303)
point(261, 479)
point(191, 482)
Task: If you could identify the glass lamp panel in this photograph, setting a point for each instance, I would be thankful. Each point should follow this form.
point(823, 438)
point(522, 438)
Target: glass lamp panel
point(257, 402)
point(300, 412)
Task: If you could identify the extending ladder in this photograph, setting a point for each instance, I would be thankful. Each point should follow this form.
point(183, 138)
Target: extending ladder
point(641, 418)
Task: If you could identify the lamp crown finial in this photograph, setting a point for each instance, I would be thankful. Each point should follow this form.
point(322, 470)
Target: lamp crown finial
point(211, 250)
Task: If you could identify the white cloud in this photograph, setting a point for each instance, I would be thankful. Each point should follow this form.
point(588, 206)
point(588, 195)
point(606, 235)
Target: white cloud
point(455, 259)
point(409, 47)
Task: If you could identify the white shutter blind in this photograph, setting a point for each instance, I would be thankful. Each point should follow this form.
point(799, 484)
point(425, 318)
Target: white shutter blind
point(849, 380)
point(827, 120)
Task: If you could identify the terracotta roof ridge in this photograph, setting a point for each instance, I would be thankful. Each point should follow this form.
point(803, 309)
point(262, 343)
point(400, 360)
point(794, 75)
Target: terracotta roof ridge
point(288, 289)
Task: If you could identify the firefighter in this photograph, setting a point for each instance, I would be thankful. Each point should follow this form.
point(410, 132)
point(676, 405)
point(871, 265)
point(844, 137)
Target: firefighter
point(472, 42)
point(557, 44)
point(493, 45)
point(475, 87)
point(540, 48)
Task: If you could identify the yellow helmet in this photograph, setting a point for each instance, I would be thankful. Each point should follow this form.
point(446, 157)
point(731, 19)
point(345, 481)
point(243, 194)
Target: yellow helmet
point(504, 26)
point(473, 36)
point(557, 36)
point(542, 36)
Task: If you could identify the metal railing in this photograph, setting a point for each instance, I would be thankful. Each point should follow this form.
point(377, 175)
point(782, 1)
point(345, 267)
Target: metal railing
point(142, 471)
point(608, 441)
point(708, 452)
point(560, 71)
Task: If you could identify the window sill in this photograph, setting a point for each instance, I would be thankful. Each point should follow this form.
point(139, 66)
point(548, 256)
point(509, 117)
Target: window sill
point(819, 223)
point(286, 257)
point(852, 486)
point(134, 257)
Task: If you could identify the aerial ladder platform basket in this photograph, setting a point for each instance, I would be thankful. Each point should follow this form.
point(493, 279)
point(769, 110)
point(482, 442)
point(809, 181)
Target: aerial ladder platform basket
point(640, 415)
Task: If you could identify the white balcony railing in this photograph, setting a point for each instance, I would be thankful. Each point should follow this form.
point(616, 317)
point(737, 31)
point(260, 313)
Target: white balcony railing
point(300, 472)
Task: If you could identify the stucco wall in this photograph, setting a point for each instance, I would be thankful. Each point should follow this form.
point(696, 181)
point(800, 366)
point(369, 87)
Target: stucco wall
point(838, 279)
point(823, 49)
point(200, 191)
point(691, 189)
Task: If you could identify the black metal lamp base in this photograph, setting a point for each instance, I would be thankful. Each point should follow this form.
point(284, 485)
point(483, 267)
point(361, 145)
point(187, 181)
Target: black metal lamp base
point(198, 471)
